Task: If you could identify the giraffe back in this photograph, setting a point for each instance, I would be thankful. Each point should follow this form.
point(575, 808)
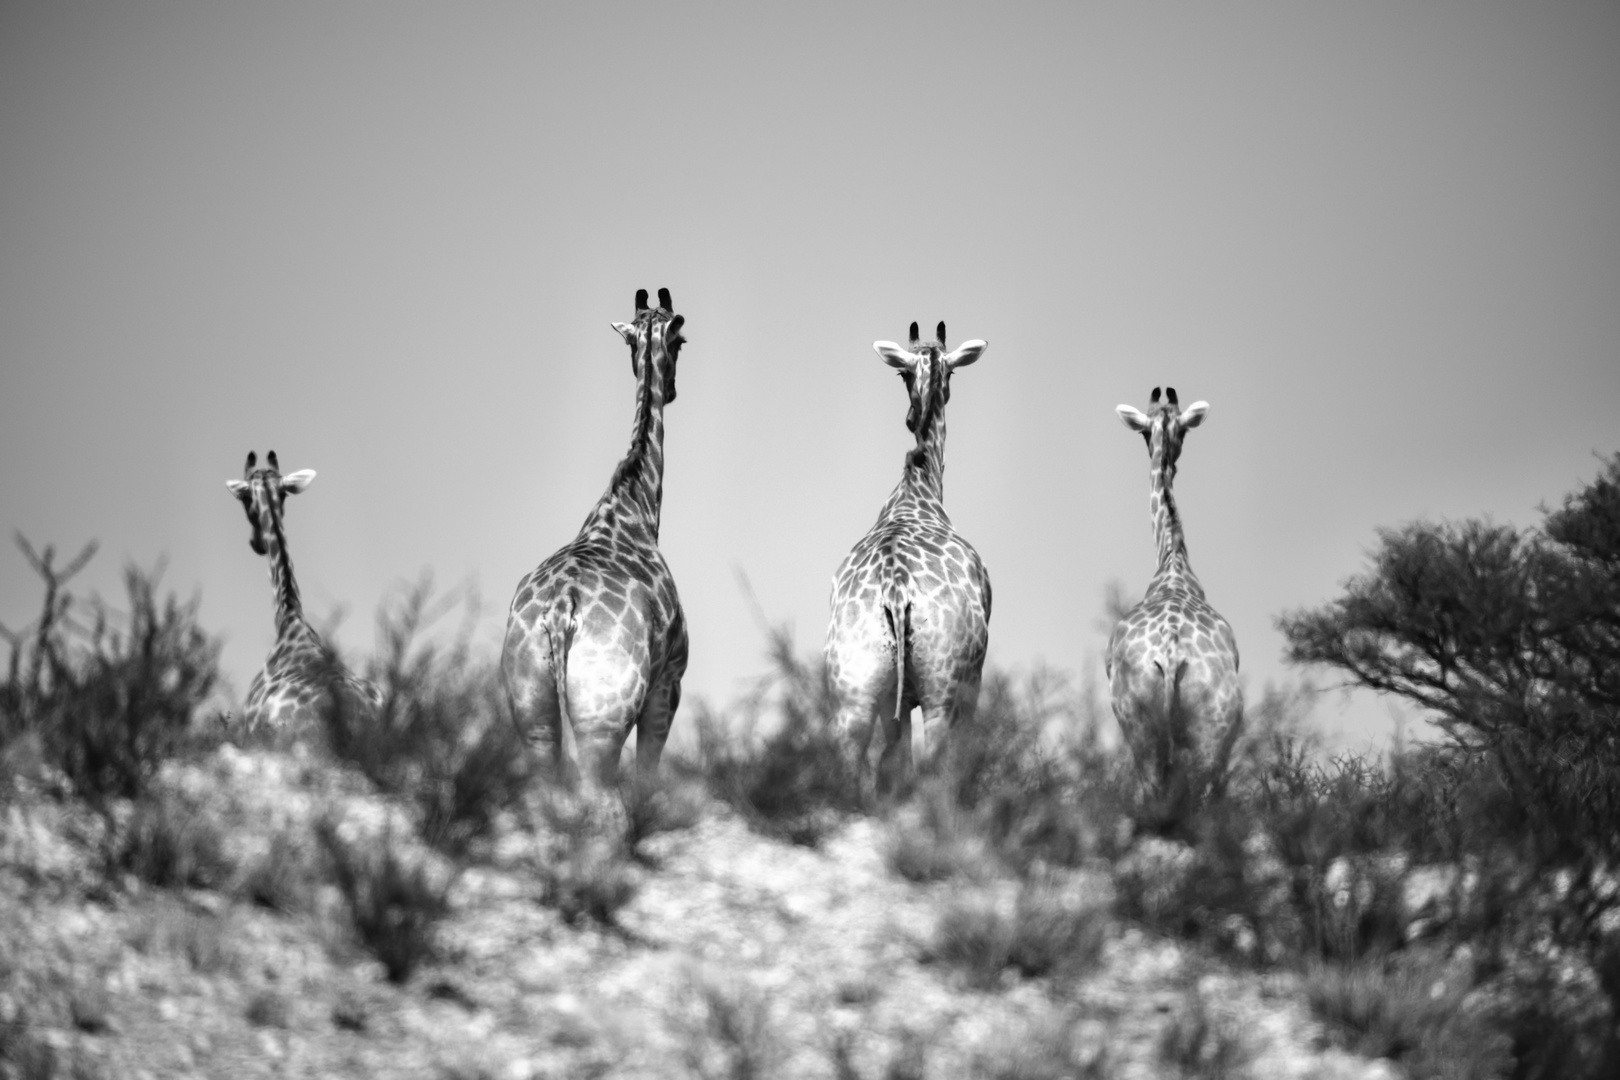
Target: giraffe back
point(595, 637)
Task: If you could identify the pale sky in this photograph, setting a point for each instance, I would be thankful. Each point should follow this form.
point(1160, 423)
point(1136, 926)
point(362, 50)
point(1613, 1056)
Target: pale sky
point(387, 240)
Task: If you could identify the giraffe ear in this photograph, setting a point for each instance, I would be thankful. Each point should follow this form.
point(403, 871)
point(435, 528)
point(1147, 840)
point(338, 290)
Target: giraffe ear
point(293, 483)
point(626, 331)
point(238, 488)
point(1194, 414)
point(965, 353)
point(895, 356)
point(1134, 418)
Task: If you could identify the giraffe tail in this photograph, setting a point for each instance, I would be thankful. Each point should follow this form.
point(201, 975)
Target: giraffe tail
point(1172, 694)
point(897, 609)
point(559, 626)
point(1172, 723)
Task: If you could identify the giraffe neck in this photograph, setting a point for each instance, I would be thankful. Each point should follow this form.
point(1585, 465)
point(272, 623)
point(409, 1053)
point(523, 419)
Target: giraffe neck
point(1167, 533)
point(635, 497)
point(922, 483)
point(289, 607)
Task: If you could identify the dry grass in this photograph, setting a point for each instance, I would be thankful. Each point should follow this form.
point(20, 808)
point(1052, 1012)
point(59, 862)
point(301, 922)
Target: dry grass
point(729, 1033)
point(1049, 1048)
point(584, 863)
point(170, 844)
point(284, 878)
point(1040, 933)
point(1197, 1044)
point(1414, 1013)
point(174, 929)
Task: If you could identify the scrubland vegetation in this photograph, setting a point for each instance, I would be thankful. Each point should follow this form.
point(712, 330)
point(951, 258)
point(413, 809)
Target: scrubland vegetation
point(1451, 905)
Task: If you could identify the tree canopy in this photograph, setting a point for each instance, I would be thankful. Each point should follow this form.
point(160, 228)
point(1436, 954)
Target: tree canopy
point(1510, 639)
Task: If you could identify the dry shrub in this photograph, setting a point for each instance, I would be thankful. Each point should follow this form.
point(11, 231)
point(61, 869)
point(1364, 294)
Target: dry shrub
point(1198, 1044)
point(442, 736)
point(172, 928)
point(672, 804)
point(584, 865)
point(268, 1008)
point(1041, 933)
point(1048, 1048)
point(26, 1056)
point(729, 1035)
point(934, 839)
point(110, 694)
point(1413, 1012)
point(282, 879)
point(907, 1061)
point(169, 843)
point(394, 902)
point(799, 780)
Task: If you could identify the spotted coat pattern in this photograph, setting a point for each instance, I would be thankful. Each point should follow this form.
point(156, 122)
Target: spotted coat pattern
point(301, 677)
point(911, 601)
point(595, 638)
point(1173, 660)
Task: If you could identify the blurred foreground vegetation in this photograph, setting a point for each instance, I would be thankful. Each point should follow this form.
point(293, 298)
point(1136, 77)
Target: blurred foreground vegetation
point(1453, 906)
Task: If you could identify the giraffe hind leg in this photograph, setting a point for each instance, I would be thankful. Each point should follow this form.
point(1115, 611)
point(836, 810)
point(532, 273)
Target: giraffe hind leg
point(608, 688)
point(531, 693)
point(896, 763)
point(652, 727)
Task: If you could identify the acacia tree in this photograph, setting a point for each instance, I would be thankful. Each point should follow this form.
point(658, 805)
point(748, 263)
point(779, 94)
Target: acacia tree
point(1510, 640)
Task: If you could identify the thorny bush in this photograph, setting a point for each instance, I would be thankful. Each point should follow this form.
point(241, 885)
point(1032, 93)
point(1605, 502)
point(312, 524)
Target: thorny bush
point(108, 695)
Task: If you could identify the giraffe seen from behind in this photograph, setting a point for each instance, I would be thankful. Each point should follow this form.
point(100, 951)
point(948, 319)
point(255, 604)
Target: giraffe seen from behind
point(291, 692)
point(595, 637)
point(1173, 660)
point(911, 601)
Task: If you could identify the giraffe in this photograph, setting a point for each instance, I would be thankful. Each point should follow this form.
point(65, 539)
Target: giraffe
point(911, 601)
point(595, 638)
point(291, 692)
point(1173, 661)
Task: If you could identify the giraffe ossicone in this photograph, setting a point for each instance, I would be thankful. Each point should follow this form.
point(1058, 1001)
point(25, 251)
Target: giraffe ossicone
point(911, 601)
point(301, 678)
point(1172, 662)
point(595, 638)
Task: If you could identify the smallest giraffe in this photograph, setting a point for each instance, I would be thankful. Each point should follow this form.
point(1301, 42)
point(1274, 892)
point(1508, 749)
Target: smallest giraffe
point(1173, 661)
point(301, 676)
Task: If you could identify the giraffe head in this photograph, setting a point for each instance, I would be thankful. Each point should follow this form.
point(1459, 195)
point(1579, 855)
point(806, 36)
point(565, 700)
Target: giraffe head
point(655, 343)
point(262, 491)
point(926, 368)
point(1164, 425)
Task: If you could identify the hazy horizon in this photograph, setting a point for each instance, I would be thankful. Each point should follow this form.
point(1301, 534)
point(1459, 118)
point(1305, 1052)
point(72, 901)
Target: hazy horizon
point(1382, 241)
